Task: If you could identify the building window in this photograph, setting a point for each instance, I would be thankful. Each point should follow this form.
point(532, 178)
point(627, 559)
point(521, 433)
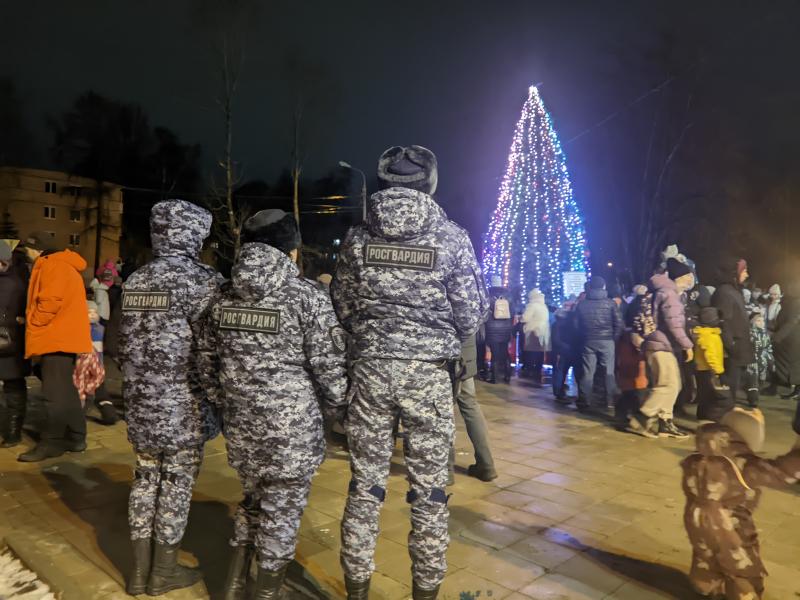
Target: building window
point(75, 216)
point(49, 212)
point(74, 239)
point(50, 187)
point(76, 191)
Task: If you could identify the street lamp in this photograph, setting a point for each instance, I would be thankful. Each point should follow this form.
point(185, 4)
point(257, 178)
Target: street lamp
point(347, 165)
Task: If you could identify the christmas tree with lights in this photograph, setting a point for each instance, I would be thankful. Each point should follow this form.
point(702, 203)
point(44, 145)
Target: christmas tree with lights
point(536, 233)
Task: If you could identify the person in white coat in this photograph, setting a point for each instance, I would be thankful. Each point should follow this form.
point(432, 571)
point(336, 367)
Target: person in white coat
point(536, 327)
point(773, 307)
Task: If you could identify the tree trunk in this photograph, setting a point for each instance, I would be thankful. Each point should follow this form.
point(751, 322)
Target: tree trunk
point(98, 226)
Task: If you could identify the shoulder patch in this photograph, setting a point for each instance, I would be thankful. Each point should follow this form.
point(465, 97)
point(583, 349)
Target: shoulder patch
point(145, 301)
point(258, 320)
point(399, 256)
point(339, 338)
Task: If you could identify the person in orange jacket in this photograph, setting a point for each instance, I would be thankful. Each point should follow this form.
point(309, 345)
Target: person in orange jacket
point(57, 329)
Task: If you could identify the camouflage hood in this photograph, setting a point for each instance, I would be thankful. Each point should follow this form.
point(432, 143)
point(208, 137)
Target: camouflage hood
point(178, 227)
point(397, 214)
point(261, 269)
point(714, 439)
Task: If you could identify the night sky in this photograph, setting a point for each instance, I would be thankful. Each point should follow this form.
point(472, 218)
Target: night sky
point(449, 75)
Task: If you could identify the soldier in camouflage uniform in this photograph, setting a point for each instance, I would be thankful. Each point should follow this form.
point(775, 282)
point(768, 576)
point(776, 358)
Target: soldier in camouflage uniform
point(282, 367)
point(722, 482)
point(408, 289)
point(163, 307)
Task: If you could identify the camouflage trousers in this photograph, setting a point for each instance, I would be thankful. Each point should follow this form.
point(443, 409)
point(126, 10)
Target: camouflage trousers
point(710, 579)
point(420, 394)
point(161, 494)
point(268, 517)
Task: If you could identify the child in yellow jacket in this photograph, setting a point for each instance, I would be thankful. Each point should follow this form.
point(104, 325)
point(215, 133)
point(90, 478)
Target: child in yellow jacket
point(709, 358)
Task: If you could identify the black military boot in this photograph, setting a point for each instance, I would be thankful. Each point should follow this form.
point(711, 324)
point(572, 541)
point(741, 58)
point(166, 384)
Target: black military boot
point(15, 408)
point(236, 583)
point(42, 451)
point(356, 590)
point(75, 442)
point(482, 472)
point(268, 584)
point(142, 559)
point(166, 574)
point(420, 594)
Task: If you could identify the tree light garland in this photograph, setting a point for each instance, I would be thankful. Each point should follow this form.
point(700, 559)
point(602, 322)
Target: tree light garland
point(536, 233)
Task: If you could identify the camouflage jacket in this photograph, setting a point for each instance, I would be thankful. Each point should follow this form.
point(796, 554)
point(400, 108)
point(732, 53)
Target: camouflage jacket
point(281, 364)
point(722, 482)
point(407, 284)
point(163, 306)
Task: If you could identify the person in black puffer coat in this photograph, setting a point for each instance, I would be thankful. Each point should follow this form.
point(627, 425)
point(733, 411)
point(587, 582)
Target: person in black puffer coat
point(599, 325)
point(566, 349)
point(499, 332)
point(13, 366)
point(728, 299)
point(786, 342)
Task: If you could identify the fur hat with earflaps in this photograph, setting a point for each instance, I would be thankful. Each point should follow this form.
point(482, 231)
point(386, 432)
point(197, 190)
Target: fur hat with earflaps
point(411, 167)
point(748, 424)
point(273, 227)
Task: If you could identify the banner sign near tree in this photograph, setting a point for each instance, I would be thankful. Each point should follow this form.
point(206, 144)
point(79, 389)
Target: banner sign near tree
point(574, 282)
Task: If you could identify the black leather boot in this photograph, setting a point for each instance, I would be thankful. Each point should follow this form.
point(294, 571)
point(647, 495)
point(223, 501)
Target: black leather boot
point(236, 583)
point(356, 590)
point(268, 584)
point(420, 594)
point(42, 451)
point(166, 574)
point(142, 560)
point(15, 408)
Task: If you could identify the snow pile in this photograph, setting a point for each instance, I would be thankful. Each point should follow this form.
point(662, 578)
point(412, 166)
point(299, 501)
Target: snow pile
point(18, 583)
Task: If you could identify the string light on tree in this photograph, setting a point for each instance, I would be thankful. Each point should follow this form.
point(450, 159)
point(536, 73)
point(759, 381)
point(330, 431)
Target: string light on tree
point(536, 233)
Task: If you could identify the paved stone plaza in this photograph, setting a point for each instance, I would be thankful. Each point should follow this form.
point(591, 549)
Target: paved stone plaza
point(580, 511)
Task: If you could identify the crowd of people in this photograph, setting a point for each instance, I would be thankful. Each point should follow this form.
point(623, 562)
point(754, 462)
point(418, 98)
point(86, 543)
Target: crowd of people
point(50, 317)
point(668, 343)
point(275, 363)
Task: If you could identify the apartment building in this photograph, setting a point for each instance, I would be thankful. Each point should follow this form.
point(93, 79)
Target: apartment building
point(65, 206)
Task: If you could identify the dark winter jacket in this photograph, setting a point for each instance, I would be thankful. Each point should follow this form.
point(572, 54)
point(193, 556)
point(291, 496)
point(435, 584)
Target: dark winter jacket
point(668, 311)
point(164, 304)
point(499, 331)
point(563, 335)
point(280, 363)
point(786, 342)
point(111, 339)
point(13, 298)
point(728, 299)
point(597, 317)
point(407, 284)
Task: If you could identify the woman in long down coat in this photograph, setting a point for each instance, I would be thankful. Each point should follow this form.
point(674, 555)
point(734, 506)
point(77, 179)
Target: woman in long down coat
point(786, 342)
point(13, 366)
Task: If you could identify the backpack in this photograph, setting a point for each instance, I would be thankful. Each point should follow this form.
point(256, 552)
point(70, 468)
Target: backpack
point(502, 309)
point(644, 323)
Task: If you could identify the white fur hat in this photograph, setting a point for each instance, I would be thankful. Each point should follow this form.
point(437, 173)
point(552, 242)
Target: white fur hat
point(775, 289)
